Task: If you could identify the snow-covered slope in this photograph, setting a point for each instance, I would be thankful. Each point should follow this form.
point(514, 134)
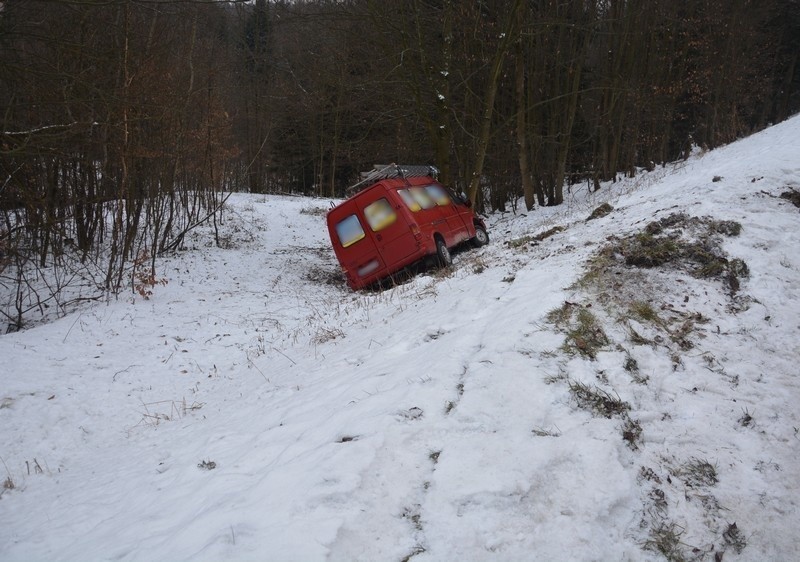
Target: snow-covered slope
point(255, 409)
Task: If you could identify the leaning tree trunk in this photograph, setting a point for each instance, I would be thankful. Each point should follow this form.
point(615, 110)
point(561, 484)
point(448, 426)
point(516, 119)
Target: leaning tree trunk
point(494, 80)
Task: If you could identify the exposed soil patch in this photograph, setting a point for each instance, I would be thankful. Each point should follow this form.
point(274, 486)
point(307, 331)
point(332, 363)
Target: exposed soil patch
point(792, 196)
point(678, 241)
point(325, 276)
point(533, 240)
point(600, 212)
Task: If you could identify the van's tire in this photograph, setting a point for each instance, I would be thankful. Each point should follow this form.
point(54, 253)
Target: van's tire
point(443, 257)
point(481, 237)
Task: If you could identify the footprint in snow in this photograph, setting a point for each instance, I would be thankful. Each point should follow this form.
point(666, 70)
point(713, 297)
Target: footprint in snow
point(411, 414)
point(435, 335)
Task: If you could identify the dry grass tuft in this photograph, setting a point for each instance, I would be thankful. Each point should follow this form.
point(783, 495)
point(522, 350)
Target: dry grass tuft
point(598, 401)
point(734, 538)
point(697, 472)
point(666, 540)
point(541, 432)
point(585, 336)
point(632, 433)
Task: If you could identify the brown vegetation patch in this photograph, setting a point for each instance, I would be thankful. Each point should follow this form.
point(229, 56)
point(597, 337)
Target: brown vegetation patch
point(792, 196)
point(600, 212)
point(677, 241)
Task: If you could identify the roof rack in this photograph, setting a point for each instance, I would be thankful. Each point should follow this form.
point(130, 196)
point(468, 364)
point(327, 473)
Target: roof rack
point(387, 171)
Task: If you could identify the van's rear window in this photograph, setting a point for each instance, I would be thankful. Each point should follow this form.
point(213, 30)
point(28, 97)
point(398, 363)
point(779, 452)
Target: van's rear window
point(438, 194)
point(408, 199)
point(379, 214)
point(349, 231)
point(421, 196)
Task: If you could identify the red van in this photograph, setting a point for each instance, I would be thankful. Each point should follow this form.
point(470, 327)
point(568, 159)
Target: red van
point(399, 219)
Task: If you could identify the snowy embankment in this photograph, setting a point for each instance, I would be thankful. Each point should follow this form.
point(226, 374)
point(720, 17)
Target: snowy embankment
point(255, 409)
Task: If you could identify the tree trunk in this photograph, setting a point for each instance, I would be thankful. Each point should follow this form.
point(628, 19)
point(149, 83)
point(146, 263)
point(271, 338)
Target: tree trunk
point(494, 80)
point(522, 131)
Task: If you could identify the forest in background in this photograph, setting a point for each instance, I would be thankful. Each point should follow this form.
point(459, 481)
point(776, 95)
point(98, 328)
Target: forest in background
point(123, 123)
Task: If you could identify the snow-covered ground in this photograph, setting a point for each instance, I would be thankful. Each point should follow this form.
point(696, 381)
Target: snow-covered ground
point(255, 409)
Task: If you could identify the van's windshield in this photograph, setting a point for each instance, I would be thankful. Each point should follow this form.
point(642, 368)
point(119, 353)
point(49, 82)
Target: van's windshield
point(438, 194)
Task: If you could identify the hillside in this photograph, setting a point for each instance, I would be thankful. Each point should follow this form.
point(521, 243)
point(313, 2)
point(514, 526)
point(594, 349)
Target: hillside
point(623, 388)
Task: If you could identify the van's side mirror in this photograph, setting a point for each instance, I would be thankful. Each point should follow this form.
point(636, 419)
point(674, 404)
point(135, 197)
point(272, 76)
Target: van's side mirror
point(464, 199)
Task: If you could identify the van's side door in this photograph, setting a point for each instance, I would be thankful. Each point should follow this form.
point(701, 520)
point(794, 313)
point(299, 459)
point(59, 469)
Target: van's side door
point(457, 231)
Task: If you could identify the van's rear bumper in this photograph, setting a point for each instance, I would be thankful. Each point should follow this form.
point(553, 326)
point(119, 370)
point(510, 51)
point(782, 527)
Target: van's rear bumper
point(356, 281)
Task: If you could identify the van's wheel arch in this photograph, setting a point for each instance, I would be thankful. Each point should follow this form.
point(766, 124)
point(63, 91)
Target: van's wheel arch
point(443, 257)
point(481, 237)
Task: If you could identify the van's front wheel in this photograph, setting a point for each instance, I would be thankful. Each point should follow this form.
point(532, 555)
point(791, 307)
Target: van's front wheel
point(443, 257)
point(481, 237)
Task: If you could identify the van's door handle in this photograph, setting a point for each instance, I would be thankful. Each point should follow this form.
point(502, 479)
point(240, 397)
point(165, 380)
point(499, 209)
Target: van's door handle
point(379, 237)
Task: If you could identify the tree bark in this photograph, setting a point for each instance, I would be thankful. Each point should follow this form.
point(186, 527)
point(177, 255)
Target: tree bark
point(522, 130)
point(494, 80)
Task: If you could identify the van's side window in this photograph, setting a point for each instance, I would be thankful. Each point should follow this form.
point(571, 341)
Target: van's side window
point(349, 231)
point(438, 194)
point(379, 214)
point(408, 199)
point(421, 196)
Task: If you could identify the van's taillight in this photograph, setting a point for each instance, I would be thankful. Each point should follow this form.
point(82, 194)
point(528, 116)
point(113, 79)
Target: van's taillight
point(415, 231)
